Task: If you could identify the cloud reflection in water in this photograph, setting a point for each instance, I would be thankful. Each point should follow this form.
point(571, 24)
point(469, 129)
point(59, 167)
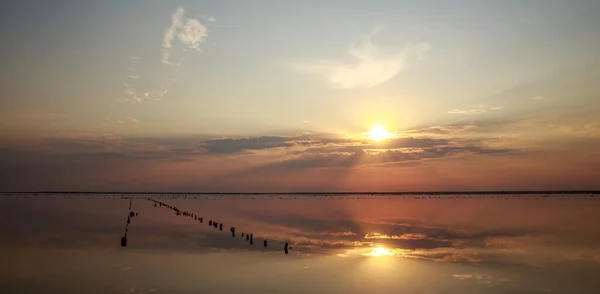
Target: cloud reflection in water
point(433, 246)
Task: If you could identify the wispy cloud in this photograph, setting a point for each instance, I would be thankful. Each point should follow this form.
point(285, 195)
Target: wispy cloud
point(132, 71)
point(132, 78)
point(477, 110)
point(445, 131)
point(169, 35)
point(371, 66)
point(481, 278)
point(111, 122)
point(474, 110)
point(131, 92)
point(189, 31)
point(162, 93)
point(132, 95)
point(586, 130)
point(192, 33)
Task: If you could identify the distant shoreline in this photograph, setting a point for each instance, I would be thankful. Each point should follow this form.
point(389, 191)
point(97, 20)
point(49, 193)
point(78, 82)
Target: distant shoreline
point(572, 192)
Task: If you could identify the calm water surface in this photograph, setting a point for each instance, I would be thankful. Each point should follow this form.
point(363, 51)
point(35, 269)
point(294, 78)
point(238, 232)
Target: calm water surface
point(352, 244)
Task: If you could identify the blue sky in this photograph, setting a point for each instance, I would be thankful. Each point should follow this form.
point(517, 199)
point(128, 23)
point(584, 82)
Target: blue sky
point(200, 70)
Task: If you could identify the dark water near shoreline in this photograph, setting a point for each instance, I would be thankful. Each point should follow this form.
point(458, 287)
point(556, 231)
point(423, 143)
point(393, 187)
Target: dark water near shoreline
point(352, 244)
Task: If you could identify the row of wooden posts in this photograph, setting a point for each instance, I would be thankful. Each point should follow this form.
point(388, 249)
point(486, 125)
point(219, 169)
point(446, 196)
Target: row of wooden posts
point(130, 215)
point(249, 236)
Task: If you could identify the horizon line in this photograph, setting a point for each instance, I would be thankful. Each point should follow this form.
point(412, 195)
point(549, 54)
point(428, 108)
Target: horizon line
point(482, 192)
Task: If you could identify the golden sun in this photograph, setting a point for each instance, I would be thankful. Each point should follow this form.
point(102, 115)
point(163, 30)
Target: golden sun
point(378, 133)
point(380, 251)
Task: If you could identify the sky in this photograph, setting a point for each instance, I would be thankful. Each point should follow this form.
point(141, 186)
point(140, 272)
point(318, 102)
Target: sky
point(351, 244)
point(270, 96)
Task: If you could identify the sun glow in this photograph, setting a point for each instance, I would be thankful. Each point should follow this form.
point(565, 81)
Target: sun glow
point(379, 251)
point(378, 133)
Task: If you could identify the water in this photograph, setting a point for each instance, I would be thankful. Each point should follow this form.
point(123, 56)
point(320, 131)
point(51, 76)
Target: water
point(340, 244)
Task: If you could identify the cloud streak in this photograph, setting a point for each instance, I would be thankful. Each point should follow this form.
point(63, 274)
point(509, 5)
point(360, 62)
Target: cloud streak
point(322, 151)
point(370, 66)
point(221, 146)
point(305, 161)
point(475, 110)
